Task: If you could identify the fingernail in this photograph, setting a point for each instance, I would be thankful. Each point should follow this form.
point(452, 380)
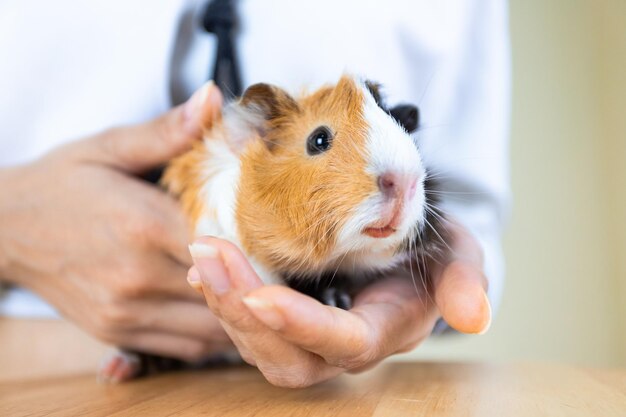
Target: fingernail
point(202, 250)
point(193, 278)
point(488, 325)
point(208, 263)
point(265, 311)
point(194, 104)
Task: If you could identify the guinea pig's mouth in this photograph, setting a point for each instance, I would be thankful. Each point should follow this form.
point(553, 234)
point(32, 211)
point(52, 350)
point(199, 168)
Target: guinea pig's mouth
point(386, 226)
point(389, 222)
point(379, 232)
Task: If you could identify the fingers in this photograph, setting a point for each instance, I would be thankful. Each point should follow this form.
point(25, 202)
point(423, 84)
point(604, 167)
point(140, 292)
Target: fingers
point(460, 284)
point(410, 315)
point(155, 277)
point(226, 258)
point(151, 219)
point(225, 276)
point(462, 299)
point(327, 331)
point(186, 319)
point(195, 281)
point(171, 345)
point(173, 232)
point(375, 328)
point(138, 148)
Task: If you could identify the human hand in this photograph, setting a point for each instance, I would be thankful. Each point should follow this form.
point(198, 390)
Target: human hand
point(296, 341)
point(107, 249)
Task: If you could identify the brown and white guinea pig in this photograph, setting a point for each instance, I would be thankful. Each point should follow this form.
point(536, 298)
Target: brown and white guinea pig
point(327, 183)
point(323, 192)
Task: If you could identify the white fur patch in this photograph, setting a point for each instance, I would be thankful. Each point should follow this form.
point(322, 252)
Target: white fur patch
point(389, 149)
point(222, 171)
point(219, 193)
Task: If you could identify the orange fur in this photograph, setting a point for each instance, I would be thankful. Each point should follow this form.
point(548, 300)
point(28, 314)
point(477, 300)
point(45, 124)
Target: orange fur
point(290, 205)
point(186, 175)
point(184, 180)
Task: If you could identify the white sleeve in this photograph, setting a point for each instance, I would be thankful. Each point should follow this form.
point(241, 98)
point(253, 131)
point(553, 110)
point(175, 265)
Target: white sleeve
point(470, 151)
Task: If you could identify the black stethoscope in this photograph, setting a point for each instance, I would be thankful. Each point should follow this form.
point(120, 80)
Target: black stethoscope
point(220, 19)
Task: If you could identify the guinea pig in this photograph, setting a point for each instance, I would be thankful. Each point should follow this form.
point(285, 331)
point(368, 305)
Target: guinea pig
point(331, 182)
point(328, 187)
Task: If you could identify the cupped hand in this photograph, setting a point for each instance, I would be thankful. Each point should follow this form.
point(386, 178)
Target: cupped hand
point(107, 249)
point(295, 341)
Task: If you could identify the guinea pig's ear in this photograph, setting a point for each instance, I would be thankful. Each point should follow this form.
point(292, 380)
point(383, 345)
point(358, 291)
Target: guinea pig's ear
point(268, 101)
point(257, 112)
point(407, 115)
point(375, 90)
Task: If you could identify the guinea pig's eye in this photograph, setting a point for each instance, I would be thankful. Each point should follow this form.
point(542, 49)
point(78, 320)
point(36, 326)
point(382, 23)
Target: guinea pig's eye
point(318, 141)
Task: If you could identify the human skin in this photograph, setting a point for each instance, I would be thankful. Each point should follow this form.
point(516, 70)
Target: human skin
point(105, 248)
point(296, 342)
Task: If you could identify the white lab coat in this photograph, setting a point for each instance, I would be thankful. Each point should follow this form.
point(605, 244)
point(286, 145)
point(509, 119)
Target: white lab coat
point(71, 68)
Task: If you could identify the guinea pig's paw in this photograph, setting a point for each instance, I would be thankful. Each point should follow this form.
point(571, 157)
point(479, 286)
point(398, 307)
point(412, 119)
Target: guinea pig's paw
point(336, 297)
point(118, 367)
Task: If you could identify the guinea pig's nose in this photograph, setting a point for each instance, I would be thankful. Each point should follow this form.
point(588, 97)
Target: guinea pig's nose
point(388, 184)
point(394, 185)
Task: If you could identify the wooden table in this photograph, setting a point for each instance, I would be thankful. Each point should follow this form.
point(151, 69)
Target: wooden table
point(392, 389)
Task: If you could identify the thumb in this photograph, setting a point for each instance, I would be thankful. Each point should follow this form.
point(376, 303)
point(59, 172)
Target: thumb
point(138, 148)
point(461, 298)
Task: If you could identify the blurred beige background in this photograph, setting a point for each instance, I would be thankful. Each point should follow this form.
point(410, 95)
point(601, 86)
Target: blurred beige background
point(565, 298)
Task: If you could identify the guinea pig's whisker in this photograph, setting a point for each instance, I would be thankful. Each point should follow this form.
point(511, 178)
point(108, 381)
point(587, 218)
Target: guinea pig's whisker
point(323, 237)
point(442, 192)
point(314, 224)
point(432, 205)
point(430, 209)
point(429, 127)
point(450, 168)
point(412, 243)
point(439, 214)
point(442, 169)
point(354, 258)
point(339, 265)
point(452, 197)
point(302, 204)
point(433, 210)
point(317, 222)
point(426, 278)
point(422, 268)
point(437, 175)
point(438, 147)
point(439, 236)
point(430, 80)
point(313, 247)
point(302, 262)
